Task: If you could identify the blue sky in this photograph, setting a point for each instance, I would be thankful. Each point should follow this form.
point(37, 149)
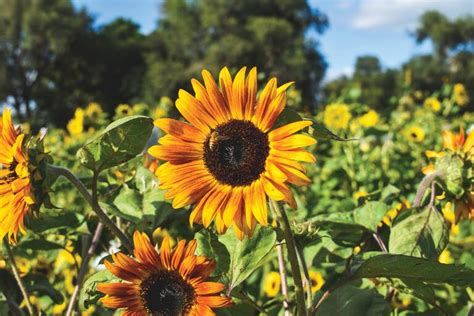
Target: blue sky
point(357, 27)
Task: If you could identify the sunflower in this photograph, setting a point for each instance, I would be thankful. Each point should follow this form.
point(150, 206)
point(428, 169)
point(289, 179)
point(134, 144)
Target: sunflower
point(433, 104)
point(337, 116)
point(317, 281)
point(369, 119)
point(172, 282)
point(462, 147)
point(271, 284)
point(76, 125)
point(460, 94)
point(123, 110)
point(228, 160)
point(415, 134)
point(93, 110)
point(16, 196)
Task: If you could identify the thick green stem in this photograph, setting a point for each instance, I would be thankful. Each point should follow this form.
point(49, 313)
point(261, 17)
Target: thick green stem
point(16, 274)
point(60, 171)
point(293, 258)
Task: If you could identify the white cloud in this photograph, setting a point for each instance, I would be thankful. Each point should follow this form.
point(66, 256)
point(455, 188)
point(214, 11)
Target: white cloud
point(403, 14)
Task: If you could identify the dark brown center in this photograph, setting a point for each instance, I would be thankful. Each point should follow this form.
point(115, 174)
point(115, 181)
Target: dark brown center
point(167, 294)
point(235, 152)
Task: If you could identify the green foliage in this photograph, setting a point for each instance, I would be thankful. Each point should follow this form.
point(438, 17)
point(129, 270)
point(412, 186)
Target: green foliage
point(370, 214)
point(89, 294)
point(121, 141)
point(420, 233)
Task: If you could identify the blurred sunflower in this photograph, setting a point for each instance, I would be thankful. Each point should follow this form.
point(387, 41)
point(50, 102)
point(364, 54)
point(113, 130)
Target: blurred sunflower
point(415, 134)
point(172, 282)
point(460, 94)
point(433, 104)
point(123, 110)
point(16, 197)
point(337, 116)
point(93, 110)
point(317, 281)
point(369, 119)
point(271, 284)
point(445, 257)
point(227, 161)
point(450, 217)
point(76, 125)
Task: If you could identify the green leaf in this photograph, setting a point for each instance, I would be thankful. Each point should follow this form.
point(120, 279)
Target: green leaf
point(286, 117)
point(208, 245)
point(419, 233)
point(39, 285)
point(44, 223)
point(370, 214)
point(352, 301)
point(319, 131)
point(388, 193)
point(412, 268)
point(247, 255)
point(421, 290)
point(121, 141)
point(89, 294)
point(39, 244)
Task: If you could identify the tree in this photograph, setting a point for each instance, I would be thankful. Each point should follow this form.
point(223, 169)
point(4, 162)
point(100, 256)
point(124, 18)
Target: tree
point(271, 35)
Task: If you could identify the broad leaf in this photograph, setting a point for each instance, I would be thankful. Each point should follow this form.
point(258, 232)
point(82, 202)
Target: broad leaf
point(208, 245)
point(61, 221)
point(247, 255)
point(89, 294)
point(419, 233)
point(352, 301)
point(319, 131)
point(412, 268)
point(286, 117)
point(121, 141)
point(370, 214)
point(39, 244)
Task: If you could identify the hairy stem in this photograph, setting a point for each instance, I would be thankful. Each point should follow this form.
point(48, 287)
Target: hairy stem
point(16, 274)
point(84, 268)
point(424, 184)
point(284, 284)
point(307, 279)
point(293, 258)
point(60, 171)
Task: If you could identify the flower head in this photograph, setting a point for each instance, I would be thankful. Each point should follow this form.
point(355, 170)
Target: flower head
point(76, 125)
point(16, 197)
point(227, 161)
point(171, 282)
point(433, 104)
point(415, 134)
point(317, 281)
point(337, 116)
point(271, 284)
point(460, 95)
point(93, 110)
point(123, 110)
point(369, 119)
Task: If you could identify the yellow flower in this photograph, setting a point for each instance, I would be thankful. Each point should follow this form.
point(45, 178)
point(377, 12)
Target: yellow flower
point(76, 124)
point(59, 309)
point(123, 110)
point(16, 196)
point(392, 213)
point(228, 160)
point(317, 281)
point(369, 119)
point(356, 250)
point(159, 112)
point(89, 311)
point(337, 116)
point(271, 284)
point(445, 257)
point(172, 281)
point(433, 104)
point(359, 194)
point(3, 264)
point(93, 110)
point(460, 94)
point(160, 234)
point(69, 280)
point(415, 134)
point(450, 217)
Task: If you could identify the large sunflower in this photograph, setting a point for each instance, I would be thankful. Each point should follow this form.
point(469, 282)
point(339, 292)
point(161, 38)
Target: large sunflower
point(172, 282)
point(15, 186)
point(228, 160)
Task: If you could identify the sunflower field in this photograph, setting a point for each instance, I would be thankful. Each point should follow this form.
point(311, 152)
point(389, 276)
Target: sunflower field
point(231, 200)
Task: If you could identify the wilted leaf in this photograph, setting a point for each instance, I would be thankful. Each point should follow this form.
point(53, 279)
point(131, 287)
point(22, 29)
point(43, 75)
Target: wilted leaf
point(412, 268)
point(121, 141)
point(419, 233)
point(352, 301)
point(370, 214)
point(247, 255)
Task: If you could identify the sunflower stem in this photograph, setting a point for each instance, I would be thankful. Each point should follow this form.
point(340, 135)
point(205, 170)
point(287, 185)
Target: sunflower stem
point(284, 284)
point(307, 279)
point(84, 268)
point(60, 171)
point(16, 274)
point(424, 184)
point(293, 257)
